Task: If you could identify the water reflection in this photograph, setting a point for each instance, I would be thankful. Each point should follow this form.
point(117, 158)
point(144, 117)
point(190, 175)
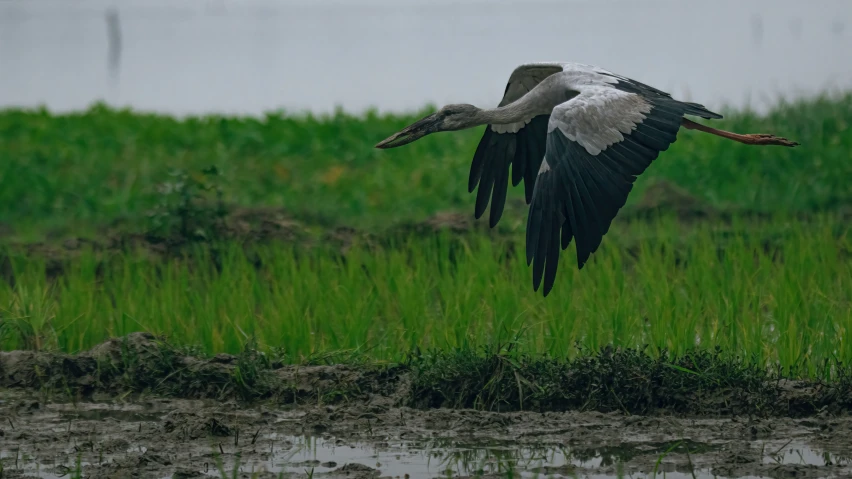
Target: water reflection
point(799, 455)
point(460, 458)
point(453, 458)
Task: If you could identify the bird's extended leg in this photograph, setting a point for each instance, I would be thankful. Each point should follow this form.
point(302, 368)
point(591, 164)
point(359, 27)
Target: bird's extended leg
point(748, 139)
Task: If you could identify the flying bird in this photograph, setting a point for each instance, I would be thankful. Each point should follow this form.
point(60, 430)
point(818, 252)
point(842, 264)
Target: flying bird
point(578, 136)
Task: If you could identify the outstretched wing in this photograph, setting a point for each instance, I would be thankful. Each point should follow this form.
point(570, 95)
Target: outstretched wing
point(597, 144)
point(521, 145)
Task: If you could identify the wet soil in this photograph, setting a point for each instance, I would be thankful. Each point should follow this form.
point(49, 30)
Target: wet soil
point(180, 438)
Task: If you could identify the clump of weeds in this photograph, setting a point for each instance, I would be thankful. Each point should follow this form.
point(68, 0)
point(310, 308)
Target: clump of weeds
point(190, 206)
point(26, 322)
point(250, 377)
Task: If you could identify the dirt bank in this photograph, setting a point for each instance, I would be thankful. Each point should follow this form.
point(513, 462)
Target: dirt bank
point(137, 407)
point(703, 383)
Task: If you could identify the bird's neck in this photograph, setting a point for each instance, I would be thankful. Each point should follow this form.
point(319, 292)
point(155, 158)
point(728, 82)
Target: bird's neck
point(521, 110)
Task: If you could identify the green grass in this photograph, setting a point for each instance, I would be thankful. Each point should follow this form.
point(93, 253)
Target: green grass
point(777, 292)
point(72, 173)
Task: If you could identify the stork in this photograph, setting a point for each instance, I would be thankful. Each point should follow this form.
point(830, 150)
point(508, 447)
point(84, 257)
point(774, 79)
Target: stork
point(578, 136)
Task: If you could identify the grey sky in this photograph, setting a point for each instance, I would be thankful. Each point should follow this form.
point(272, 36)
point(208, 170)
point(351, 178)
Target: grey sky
point(249, 56)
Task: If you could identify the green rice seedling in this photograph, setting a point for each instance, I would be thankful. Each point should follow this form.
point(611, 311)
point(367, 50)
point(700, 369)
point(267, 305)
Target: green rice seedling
point(778, 292)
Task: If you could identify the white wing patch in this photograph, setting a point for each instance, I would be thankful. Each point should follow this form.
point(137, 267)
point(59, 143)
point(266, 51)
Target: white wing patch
point(599, 117)
point(510, 127)
point(545, 167)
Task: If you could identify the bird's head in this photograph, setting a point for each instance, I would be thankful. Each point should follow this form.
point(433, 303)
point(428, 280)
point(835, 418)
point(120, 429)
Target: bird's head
point(448, 118)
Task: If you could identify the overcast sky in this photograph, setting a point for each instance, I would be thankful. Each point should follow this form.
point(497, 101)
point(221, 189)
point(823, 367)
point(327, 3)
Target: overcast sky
point(250, 56)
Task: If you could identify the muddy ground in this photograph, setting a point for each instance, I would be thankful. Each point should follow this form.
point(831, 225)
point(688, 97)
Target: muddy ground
point(132, 407)
point(161, 437)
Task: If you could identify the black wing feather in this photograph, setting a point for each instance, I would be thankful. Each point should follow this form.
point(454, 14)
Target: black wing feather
point(478, 161)
point(534, 155)
point(552, 254)
point(495, 154)
point(589, 230)
point(501, 184)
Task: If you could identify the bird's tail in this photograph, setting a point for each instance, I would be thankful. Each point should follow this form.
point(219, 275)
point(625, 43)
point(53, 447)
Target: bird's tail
point(700, 111)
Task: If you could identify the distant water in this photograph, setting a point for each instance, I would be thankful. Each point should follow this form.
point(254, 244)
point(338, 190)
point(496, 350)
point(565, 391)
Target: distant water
point(250, 56)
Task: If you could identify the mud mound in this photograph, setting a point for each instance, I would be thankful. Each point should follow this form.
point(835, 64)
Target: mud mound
point(666, 197)
point(699, 383)
point(185, 425)
point(614, 379)
point(245, 226)
point(455, 223)
point(141, 363)
point(452, 221)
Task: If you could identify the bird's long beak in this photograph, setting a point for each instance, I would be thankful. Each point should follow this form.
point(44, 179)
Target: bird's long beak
point(415, 131)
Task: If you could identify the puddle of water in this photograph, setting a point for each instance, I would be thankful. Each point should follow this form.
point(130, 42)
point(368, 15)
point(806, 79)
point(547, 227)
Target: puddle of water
point(435, 458)
point(450, 458)
point(804, 456)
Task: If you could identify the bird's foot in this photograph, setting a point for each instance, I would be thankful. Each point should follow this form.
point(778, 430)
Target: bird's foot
point(748, 138)
point(764, 139)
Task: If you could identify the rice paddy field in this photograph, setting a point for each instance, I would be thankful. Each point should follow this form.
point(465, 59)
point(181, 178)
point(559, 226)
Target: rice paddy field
point(285, 259)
